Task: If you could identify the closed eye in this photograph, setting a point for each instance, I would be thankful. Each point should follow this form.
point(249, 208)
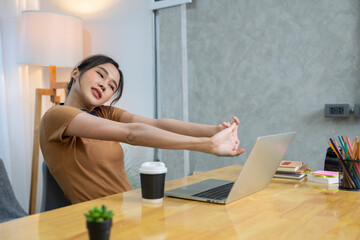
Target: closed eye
point(112, 87)
point(100, 74)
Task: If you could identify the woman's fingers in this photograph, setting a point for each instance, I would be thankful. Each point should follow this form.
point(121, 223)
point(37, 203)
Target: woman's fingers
point(236, 120)
point(233, 127)
point(226, 124)
point(227, 141)
point(239, 151)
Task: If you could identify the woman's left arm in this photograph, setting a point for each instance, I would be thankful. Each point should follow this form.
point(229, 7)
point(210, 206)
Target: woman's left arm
point(177, 126)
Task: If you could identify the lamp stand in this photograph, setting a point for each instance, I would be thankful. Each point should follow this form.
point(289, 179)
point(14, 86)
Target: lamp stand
point(35, 156)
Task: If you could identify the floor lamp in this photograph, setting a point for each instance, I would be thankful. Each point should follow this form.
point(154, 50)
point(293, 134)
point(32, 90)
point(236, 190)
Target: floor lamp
point(54, 40)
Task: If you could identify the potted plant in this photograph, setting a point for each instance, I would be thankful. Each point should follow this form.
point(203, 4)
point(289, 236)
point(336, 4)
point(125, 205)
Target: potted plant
point(99, 222)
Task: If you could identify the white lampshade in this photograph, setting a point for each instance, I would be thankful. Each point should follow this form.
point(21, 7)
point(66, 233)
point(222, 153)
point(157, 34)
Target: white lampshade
point(49, 38)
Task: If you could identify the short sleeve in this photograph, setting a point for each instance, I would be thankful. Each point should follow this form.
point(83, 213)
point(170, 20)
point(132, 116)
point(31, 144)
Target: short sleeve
point(111, 113)
point(55, 121)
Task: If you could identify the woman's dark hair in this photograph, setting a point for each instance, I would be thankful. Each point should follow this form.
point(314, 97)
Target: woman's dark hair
point(94, 61)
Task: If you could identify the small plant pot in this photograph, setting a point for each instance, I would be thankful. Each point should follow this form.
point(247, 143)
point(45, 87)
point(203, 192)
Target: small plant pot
point(99, 231)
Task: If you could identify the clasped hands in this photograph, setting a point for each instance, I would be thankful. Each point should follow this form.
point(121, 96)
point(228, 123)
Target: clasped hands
point(226, 142)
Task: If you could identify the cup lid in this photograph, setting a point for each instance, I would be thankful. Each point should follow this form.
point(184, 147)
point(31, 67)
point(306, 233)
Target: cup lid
point(153, 167)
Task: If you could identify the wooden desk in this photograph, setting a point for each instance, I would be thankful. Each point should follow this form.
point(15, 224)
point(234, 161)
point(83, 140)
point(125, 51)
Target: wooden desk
point(285, 210)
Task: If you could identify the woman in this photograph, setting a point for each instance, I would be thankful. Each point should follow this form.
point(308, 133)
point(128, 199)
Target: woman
point(80, 139)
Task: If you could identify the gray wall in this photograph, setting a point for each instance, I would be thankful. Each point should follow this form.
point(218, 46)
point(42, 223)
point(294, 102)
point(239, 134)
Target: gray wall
point(170, 81)
point(274, 64)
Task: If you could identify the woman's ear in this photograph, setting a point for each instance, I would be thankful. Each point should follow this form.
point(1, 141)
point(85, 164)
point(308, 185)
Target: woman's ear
point(75, 73)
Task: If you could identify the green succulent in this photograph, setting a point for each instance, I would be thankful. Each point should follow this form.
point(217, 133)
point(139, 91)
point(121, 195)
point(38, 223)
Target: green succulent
point(96, 214)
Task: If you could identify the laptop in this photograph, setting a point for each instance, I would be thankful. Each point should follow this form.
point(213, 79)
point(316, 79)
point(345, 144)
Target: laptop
point(256, 174)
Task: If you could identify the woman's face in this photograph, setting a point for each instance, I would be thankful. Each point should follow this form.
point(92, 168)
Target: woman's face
point(97, 85)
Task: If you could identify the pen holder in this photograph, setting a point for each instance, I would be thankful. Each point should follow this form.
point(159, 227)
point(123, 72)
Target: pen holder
point(349, 178)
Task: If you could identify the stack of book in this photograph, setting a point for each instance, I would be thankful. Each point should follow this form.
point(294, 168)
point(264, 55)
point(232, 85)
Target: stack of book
point(292, 170)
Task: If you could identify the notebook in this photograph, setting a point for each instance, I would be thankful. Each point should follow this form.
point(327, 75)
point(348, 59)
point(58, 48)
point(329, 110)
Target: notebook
point(256, 174)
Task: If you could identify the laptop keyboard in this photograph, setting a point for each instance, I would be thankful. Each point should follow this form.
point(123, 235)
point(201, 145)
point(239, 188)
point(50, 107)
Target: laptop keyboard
point(217, 193)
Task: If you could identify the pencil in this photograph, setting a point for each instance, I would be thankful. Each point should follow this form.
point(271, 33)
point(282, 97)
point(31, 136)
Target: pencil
point(350, 164)
point(357, 171)
point(335, 149)
point(346, 151)
point(355, 152)
point(341, 142)
point(356, 177)
point(346, 175)
point(356, 139)
point(342, 146)
point(356, 157)
point(343, 139)
point(350, 147)
point(349, 160)
point(345, 182)
point(354, 145)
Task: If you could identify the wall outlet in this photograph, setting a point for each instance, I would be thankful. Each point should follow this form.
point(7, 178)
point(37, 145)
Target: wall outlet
point(337, 110)
point(357, 110)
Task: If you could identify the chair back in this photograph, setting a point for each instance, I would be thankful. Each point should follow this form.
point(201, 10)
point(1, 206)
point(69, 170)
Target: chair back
point(9, 205)
point(53, 196)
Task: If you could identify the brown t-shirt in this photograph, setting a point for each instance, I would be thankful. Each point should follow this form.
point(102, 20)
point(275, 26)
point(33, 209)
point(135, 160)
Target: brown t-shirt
point(84, 168)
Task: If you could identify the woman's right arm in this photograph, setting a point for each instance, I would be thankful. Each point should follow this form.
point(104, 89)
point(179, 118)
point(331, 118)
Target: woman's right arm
point(224, 143)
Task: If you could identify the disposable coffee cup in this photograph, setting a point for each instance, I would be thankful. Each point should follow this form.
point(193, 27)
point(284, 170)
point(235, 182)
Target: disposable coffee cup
point(152, 176)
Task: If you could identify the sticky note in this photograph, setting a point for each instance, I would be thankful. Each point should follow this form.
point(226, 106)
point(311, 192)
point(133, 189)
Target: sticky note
point(325, 173)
